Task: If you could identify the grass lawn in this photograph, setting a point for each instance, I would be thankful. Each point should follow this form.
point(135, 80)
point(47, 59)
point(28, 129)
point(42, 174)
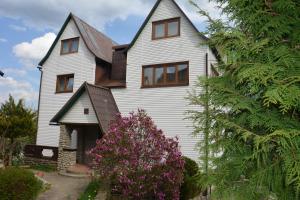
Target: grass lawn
point(91, 190)
point(44, 168)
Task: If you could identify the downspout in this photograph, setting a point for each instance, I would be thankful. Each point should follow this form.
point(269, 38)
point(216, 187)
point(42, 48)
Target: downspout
point(38, 111)
point(206, 130)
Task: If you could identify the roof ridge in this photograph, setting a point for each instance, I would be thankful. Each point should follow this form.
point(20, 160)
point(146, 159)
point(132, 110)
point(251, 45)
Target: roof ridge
point(96, 86)
point(150, 15)
point(104, 35)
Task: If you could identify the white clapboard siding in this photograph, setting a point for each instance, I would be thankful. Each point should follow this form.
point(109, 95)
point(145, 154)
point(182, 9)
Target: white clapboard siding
point(166, 105)
point(82, 64)
point(76, 113)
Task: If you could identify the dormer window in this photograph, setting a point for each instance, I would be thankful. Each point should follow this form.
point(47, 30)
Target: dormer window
point(166, 28)
point(69, 45)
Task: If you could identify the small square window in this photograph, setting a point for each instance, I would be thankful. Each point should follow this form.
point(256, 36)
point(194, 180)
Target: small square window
point(86, 111)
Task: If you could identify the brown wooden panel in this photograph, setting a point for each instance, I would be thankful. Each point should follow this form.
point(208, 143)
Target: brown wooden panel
point(102, 74)
point(119, 65)
point(35, 151)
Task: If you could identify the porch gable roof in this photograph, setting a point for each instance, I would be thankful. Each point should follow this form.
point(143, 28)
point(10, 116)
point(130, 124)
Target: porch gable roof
point(102, 102)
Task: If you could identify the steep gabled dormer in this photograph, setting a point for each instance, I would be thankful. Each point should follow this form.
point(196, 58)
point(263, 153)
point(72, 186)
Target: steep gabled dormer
point(78, 50)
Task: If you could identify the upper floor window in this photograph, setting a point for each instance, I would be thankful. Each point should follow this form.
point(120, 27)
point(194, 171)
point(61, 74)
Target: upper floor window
point(163, 75)
point(64, 83)
point(166, 28)
point(69, 45)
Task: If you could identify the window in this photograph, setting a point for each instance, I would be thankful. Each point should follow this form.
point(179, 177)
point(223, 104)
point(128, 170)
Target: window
point(171, 74)
point(166, 28)
point(64, 83)
point(69, 46)
point(86, 111)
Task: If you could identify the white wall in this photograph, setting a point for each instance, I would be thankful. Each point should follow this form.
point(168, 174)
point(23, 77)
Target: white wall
point(76, 113)
point(166, 105)
point(82, 64)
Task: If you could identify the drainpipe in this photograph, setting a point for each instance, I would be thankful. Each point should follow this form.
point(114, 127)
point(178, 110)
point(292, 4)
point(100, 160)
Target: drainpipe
point(38, 110)
point(206, 130)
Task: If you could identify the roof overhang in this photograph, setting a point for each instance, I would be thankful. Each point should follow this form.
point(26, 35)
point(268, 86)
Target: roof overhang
point(102, 101)
point(90, 36)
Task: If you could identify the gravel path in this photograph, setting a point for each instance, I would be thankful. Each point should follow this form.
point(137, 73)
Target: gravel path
point(62, 187)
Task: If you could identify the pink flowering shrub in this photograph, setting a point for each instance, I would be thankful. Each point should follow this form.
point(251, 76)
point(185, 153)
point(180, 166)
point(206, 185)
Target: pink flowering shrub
point(144, 163)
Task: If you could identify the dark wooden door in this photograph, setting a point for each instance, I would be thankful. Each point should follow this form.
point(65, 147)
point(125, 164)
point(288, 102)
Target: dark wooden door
point(90, 136)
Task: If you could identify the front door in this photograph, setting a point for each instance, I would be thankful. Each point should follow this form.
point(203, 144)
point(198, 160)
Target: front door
point(86, 141)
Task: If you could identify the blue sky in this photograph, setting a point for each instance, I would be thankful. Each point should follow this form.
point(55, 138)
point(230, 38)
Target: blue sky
point(29, 27)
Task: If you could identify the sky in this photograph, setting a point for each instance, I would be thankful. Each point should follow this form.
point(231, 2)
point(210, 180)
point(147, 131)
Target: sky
point(28, 28)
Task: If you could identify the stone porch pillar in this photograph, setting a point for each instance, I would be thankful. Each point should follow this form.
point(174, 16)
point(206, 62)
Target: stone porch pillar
point(66, 154)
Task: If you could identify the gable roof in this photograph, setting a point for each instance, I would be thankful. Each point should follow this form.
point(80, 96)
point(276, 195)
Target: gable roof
point(150, 15)
point(102, 101)
point(99, 44)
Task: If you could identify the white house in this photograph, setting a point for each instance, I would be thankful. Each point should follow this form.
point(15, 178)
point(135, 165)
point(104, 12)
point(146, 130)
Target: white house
point(86, 78)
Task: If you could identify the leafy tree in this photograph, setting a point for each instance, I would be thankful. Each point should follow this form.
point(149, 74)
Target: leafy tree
point(16, 122)
point(140, 161)
point(254, 105)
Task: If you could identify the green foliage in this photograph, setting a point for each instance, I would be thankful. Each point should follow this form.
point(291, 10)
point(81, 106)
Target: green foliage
point(43, 167)
point(17, 120)
point(190, 166)
point(254, 105)
point(190, 187)
point(17, 125)
point(18, 184)
point(91, 190)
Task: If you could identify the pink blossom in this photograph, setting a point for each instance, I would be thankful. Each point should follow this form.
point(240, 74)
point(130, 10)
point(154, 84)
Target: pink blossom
point(144, 161)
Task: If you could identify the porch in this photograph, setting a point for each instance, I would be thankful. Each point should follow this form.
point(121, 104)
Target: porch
point(83, 119)
point(74, 143)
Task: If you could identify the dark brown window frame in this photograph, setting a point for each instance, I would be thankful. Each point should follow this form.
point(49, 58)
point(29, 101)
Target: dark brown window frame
point(70, 40)
point(165, 23)
point(65, 76)
point(165, 84)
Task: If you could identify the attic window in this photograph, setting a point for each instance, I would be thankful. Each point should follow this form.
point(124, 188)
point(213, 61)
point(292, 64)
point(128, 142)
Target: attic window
point(166, 28)
point(69, 45)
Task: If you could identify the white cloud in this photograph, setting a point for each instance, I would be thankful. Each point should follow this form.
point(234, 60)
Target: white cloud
point(17, 28)
point(18, 89)
point(209, 6)
point(3, 40)
point(9, 71)
point(51, 13)
point(31, 52)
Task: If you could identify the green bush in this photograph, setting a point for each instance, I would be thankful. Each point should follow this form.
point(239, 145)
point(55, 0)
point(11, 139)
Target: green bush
point(189, 188)
point(43, 167)
point(18, 184)
point(91, 190)
point(190, 167)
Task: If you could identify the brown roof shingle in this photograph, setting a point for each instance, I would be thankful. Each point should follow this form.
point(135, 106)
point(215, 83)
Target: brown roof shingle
point(99, 44)
point(102, 101)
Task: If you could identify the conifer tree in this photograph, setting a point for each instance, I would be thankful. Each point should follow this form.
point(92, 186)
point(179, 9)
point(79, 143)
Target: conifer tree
point(16, 122)
point(254, 104)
